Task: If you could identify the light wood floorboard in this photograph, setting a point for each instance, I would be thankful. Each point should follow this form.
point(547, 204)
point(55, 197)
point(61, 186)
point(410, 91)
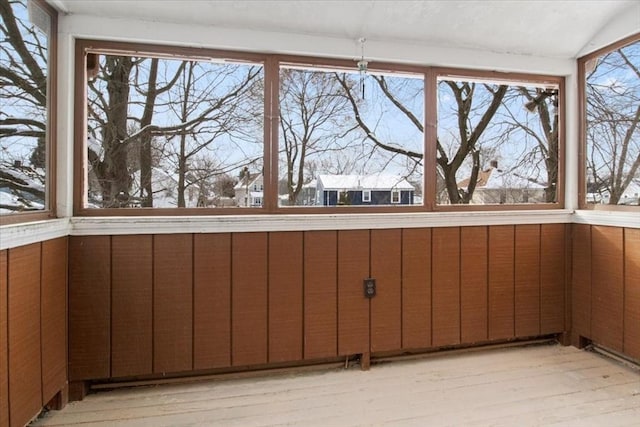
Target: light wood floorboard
point(546, 385)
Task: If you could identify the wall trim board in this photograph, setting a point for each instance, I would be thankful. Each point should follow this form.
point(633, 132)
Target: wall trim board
point(23, 234)
point(626, 219)
point(15, 235)
point(91, 226)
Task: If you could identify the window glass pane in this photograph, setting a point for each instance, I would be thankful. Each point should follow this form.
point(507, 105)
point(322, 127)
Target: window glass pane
point(343, 134)
point(613, 128)
point(24, 59)
point(167, 133)
point(497, 143)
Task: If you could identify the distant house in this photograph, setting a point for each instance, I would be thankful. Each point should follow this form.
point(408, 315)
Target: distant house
point(495, 186)
point(378, 189)
point(630, 196)
point(306, 196)
point(249, 191)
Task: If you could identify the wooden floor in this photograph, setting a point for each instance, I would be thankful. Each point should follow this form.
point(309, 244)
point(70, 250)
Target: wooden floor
point(546, 385)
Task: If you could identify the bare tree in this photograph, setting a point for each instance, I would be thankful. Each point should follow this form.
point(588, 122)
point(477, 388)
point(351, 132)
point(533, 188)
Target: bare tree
point(176, 102)
point(213, 108)
point(613, 116)
point(313, 117)
point(23, 117)
point(540, 160)
point(467, 136)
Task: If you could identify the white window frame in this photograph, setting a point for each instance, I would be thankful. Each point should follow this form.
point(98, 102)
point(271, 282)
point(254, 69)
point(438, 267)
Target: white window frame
point(398, 196)
point(366, 196)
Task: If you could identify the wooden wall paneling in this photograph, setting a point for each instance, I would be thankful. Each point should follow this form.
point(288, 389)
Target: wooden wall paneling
point(132, 305)
point(320, 294)
point(473, 284)
point(632, 292)
point(353, 307)
point(172, 303)
point(4, 342)
point(25, 380)
point(527, 280)
point(607, 308)
point(249, 299)
point(54, 317)
point(416, 287)
point(552, 278)
point(386, 306)
point(445, 286)
point(285, 296)
point(89, 307)
point(212, 301)
point(501, 282)
point(581, 282)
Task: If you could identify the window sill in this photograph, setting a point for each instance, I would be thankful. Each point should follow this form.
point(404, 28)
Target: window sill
point(21, 234)
point(83, 226)
point(613, 218)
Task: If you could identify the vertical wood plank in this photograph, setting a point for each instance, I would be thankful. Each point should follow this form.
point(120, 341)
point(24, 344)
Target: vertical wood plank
point(132, 309)
point(172, 303)
point(632, 292)
point(527, 280)
point(89, 307)
point(212, 301)
point(581, 282)
point(285, 296)
point(607, 286)
point(446, 286)
point(4, 341)
point(386, 269)
point(54, 317)
point(552, 278)
point(353, 307)
point(501, 284)
point(249, 299)
point(25, 387)
point(416, 288)
point(473, 284)
point(320, 294)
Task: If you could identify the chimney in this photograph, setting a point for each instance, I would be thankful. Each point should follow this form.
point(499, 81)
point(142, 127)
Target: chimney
point(494, 164)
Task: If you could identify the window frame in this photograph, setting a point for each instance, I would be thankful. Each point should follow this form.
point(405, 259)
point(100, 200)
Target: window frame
point(398, 194)
point(49, 212)
point(511, 79)
point(341, 64)
point(582, 127)
point(272, 64)
point(104, 47)
point(368, 198)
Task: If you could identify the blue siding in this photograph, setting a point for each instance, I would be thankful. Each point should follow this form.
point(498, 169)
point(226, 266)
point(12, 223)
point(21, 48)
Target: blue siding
point(354, 198)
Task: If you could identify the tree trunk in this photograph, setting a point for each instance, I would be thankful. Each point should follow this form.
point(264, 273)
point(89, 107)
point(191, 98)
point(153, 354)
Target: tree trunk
point(146, 184)
point(113, 171)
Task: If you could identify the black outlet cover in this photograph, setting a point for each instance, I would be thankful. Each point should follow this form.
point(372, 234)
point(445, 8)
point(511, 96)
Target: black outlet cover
point(369, 288)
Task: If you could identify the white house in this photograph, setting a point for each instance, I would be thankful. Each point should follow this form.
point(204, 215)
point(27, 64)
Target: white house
point(249, 191)
point(496, 186)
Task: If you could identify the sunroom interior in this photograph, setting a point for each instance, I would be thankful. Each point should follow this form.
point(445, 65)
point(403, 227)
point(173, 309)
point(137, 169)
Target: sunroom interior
point(192, 189)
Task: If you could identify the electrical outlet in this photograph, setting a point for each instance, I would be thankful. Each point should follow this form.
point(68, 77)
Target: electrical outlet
point(369, 288)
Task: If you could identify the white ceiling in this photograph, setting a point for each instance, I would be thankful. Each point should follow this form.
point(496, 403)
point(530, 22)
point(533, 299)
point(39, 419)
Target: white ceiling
point(547, 28)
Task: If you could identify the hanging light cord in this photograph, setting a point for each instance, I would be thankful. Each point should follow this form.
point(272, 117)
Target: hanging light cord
point(362, 65)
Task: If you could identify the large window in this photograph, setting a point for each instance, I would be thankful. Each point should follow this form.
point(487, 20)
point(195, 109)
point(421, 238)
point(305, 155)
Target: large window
point(498, 141)
point(611, 136)
point(27, 53)
point(164, 130)
point(173, 132)
point(347, 139)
